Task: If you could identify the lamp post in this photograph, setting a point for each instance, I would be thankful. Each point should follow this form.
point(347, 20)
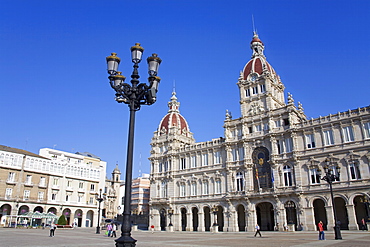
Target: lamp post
point(134, 96)
point(329, 178)
point(99, 198)
point(170, 213)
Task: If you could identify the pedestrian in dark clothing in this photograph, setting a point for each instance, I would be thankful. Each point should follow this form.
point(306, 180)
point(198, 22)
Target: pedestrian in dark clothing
point(114, 229)
point(257, 230)
point(363, 224)
point(52, 229)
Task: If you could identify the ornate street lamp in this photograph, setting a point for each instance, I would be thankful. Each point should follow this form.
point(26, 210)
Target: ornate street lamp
point(330, 177)
point(170, 213)
point(215, 210)
point(99, 198)
point(134, 96)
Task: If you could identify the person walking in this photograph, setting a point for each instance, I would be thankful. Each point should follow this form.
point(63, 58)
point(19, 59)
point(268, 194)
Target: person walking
point(363, 224)
point(257, 230)
point(321, 231)
point(114, 229)
point(52, 230)
point(109, 229)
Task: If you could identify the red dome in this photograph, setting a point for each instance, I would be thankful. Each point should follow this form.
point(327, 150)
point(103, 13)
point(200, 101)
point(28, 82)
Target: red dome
point(258, 64)
point(174, 120)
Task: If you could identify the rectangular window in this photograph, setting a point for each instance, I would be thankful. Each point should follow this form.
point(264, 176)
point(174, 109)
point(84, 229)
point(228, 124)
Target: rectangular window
point(241, 153)
point(315, 178)
point(11, 177)
point(182, 190)
point(255, 90)
point(258, 127)
point(367, 130)
point(217, 157)
point(355, 171)
point(278, 146)
point(205, 188)
point(310, 141)
point(250, 129)
point(8, 193)
point(218, 187)
point(42, 181)
point(92, 187)
point(29, 179)
point(91, 201)
point(265, 126)
point(247, 92)
point(348, 134)
point(53, 197)
point(26, 194)
point(263, 88)
point(80, 198)
point(234, 153)
point(193, 189)
point(164, 189)
point(182, 164)
point(205, 159)
point(40, 196)
point(288, 145)
point(328, 137)
point(55, 181)
point(81, 185)
point(193, 161)
point(277, 123)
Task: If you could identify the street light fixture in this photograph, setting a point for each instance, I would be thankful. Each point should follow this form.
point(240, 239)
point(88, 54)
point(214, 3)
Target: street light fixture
point(99, 198)
point(170, 213)
point(134, 95)
point(329, 178)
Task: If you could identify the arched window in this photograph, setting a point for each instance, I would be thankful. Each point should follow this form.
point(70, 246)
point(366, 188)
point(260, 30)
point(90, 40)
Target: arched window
point(287, 173)
point(239, 181)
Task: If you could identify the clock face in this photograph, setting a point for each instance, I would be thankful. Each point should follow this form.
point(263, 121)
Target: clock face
point(253, 77)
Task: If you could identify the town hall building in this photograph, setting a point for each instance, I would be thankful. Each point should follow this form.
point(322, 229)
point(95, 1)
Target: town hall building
point(268, 167)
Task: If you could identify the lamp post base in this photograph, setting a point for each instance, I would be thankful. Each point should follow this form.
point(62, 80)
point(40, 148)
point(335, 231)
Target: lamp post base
point(125, 241)
point(337, 232)
point(98, 230)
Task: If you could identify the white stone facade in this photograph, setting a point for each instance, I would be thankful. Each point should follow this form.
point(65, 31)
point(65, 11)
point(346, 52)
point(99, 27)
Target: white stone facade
point(266, 168)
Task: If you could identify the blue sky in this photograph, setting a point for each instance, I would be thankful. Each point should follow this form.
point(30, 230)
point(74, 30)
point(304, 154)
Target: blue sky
point(54, 90)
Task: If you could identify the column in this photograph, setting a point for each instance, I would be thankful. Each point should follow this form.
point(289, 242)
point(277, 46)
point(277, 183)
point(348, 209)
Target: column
point(189, 221)
point(352, 222)
point(201, 227)
point(309, 219)
point(330, 217)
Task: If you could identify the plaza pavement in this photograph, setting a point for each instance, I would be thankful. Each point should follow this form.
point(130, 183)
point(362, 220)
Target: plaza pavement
point(80, 237)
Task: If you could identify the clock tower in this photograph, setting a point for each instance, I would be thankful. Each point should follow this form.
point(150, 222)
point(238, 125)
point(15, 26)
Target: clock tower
point(260, 87)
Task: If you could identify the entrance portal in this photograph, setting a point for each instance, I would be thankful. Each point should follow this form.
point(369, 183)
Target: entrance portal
point(265, 216)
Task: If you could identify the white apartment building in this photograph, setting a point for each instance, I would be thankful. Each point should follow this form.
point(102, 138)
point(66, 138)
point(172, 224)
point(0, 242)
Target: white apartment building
point(52, 182)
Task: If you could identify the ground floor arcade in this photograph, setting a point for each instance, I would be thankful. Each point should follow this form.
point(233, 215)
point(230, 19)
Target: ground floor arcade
point(272, 213)
point(17, 214)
